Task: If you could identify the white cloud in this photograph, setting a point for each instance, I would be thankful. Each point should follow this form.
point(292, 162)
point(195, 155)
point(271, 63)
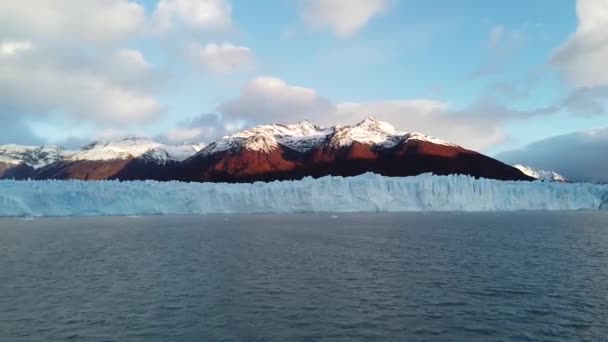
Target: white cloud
point(13, 47)
point(583, 56)
point(38, 83)
point(578, 156)
point(59, 63)
point(222, 58)
point(343, 17)
point(199, 15)
point(129, 68)
point(98, 21)
point(269, 99)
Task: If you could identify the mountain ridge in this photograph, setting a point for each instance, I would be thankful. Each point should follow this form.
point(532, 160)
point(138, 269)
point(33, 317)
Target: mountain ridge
point(265, 153)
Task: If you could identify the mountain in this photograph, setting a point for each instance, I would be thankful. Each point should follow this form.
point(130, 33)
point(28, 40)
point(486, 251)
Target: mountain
point(280, 152)
point(18, 161)
point(126, 159)
point(543, 175)
point(264, 153)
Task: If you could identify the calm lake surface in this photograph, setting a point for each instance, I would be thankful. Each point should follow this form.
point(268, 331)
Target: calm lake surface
point(345, 277)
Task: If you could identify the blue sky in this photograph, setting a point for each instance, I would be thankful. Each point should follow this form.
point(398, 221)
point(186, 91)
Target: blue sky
point(490, 75)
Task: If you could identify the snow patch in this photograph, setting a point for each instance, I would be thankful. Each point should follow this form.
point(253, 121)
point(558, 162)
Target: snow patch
point(365, 193)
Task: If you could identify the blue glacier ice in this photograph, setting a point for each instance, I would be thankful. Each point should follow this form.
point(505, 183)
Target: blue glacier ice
point(365, 193)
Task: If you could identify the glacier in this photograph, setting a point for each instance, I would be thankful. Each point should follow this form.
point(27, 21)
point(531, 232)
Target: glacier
point(364, 193)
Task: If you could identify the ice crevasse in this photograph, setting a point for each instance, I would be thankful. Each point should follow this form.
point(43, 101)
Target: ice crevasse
point(364, 193)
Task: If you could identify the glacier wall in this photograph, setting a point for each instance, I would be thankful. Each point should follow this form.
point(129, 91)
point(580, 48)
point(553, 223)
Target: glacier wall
point(365, 193)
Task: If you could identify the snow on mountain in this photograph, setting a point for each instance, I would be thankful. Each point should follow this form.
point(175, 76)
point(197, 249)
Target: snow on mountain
point(304, 136)
point(365, 193)
point(543, 175)
point(41, 156)
point(301, 137)
point(34, 156)
point(134, 148)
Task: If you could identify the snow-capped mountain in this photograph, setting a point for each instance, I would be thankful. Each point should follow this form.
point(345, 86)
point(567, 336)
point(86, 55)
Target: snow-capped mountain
point(34, 156)
point(263, 153)
point(543, 175)
point(128, 158)
point(301, 137)
point(304, 136)
point(125, 159)
point(19, 161)
point(278, 152)
point(130, 148)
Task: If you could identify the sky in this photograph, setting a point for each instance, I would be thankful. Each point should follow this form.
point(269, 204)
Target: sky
point(494, 76)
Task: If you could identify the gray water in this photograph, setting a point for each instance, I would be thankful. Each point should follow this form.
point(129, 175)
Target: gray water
point(369, 277)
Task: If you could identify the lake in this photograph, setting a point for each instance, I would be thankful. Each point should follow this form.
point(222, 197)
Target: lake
point(306, 277)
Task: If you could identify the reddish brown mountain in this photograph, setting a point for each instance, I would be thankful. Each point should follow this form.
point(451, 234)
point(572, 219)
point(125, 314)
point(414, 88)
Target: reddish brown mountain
point(266, 153)
point(279, 152)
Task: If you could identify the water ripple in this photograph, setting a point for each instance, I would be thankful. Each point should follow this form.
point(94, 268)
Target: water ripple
point(367, 277)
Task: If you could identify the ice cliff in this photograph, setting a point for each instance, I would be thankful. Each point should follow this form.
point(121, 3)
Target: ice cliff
point(365, 193)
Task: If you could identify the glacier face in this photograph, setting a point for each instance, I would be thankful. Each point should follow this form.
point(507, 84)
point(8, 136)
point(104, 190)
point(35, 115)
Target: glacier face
point(365, 193)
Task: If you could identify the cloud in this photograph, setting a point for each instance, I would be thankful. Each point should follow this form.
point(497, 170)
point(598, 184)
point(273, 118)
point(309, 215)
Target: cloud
point(583, 56)
point(185, 135)
point(197, 15)
point(431, 117)
point(343, 17)
point(202, 128)
point(586, 102)
point(578, 156)
point(113, 88)
point(13, 47)
point(270, 100)
point(222, 58)
point(501, 45)
point(579, 102)
point(59, 63)
point(129, 68)
point(581, 59)
point(509, 91)
point(16, 131)
point(504, 39)
point(98, 21)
